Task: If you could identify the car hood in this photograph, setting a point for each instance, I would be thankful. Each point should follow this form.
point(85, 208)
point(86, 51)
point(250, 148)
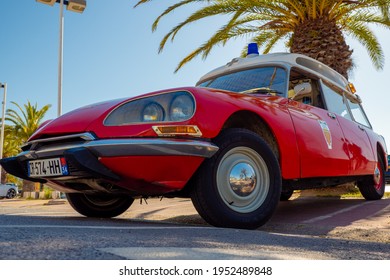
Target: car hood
point(75, 121)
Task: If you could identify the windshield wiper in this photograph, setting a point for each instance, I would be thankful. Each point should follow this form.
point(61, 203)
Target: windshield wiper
point(262, 90)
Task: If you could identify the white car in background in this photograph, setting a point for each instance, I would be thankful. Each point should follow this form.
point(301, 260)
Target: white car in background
point(8, 190)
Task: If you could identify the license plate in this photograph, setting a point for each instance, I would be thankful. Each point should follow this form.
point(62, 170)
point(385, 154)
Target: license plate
point(47, 167)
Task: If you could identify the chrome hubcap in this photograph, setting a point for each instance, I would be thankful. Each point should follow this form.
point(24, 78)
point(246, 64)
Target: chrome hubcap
point(243, 180)
point(377, 176)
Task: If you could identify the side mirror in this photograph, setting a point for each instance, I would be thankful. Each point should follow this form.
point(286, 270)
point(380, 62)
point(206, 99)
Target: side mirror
point(302, 89)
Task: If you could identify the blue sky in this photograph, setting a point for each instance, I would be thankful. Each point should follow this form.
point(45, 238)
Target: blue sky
point(110, 52)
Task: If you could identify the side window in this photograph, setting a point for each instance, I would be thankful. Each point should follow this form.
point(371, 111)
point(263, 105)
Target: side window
point(358, 113)
point(335, 102)
point(304, 88)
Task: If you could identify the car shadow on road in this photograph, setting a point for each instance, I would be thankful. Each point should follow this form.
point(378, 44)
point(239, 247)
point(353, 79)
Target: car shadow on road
point(355, 218)
point(352, 218)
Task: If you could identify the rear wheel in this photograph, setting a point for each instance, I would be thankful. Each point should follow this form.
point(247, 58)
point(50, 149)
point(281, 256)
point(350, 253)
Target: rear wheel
point(240, 185)
point(374, 188)
point(286, 194)
point(99, 206)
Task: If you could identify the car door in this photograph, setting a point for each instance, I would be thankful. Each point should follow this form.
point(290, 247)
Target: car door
point(320, 140)
point(354, 126)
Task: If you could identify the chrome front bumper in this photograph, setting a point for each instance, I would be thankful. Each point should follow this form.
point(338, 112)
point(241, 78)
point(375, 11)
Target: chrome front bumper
point(129, 147)
point(84, 151)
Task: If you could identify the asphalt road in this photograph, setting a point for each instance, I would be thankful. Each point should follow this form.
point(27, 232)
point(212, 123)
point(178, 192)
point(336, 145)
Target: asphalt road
point(303, 228)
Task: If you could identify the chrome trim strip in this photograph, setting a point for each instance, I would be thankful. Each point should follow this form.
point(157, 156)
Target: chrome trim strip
point(130, 147)
point(85, 136)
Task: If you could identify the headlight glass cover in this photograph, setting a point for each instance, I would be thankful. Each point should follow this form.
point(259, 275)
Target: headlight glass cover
point(153, 112)
point(166, 107)
point(181, 108)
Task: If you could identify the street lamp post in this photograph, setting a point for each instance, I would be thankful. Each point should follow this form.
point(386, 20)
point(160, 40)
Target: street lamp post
point(2, 124)
point(60, 58)
point(77, 6)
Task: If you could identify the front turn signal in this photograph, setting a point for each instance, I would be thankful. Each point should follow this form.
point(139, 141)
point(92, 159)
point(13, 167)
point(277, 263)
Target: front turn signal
point(171, 130)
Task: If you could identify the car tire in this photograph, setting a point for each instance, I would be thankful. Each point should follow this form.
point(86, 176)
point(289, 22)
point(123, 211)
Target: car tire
point(286, 194)
point(374, 188)
point(99, 206)
point(11, 193)
point(240, 186)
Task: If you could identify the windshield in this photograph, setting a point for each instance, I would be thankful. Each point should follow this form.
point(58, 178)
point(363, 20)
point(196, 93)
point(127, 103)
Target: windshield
point(270, 80)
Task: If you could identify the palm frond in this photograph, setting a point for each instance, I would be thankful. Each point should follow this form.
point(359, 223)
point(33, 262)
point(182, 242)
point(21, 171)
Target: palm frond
point(141, 2)
point(273, 40)
point(200, 14)
point(270, 21)
point(170, 9)
point(218, 38)
point(26, 119)
point(366, 37)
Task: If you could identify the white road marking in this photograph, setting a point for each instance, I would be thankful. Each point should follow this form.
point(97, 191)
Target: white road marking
point(330, 215)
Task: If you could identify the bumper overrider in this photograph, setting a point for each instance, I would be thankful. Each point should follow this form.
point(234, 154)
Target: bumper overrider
point(83, 154)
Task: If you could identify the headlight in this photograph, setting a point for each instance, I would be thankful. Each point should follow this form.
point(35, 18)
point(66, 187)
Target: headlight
point(153, 112)
point(174, 106)
point(182, 108)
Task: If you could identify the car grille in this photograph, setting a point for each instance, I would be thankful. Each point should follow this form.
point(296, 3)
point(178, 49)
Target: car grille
point(64, 139)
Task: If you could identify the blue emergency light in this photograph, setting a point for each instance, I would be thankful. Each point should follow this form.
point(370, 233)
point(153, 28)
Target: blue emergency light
point(252, 49)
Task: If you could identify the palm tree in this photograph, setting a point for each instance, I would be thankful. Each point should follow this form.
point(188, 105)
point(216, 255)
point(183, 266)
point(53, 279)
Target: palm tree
point(316, 28)
point(24, 124)
point(10, 148)
point(12, 142)
point(27, 121)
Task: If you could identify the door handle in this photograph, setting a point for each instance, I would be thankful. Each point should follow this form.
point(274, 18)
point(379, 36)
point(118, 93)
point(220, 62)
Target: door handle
point(331, 115)
point(361, 127)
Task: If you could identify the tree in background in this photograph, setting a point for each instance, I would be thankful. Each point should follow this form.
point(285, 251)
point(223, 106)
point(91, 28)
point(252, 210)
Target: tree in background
point(24, 122)
point(12, 143)
point(11, 147)
point(315, 28)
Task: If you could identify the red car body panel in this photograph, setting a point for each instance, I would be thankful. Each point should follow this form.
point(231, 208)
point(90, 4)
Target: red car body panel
point(169, 173)
point(362, 157)
point(75, 121)
point(314, 150)
point(378, 143)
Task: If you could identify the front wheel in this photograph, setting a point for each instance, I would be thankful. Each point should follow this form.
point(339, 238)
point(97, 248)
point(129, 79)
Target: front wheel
point(99, 206)
point(240, 185)
point(373, 188)
point(11, 193)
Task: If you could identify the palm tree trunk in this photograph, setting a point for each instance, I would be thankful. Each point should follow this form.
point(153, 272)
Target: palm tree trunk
point(322, 39)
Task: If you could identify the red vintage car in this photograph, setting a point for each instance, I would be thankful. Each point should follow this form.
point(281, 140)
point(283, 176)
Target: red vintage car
point(245, 137)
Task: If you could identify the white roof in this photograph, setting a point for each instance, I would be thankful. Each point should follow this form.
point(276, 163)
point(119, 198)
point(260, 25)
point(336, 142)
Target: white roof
point(287, 59)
